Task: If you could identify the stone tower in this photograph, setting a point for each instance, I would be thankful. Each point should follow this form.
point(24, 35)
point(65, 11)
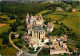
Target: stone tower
point(27, 18)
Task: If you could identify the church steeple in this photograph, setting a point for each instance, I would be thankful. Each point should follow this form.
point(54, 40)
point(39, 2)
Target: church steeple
point(27, 15)
point(31, 16)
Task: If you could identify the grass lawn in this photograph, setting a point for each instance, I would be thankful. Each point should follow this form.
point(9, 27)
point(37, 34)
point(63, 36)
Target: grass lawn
point(54, 17)
point(4, 16)
point(8, 51)
point(1, 41)
point(12, 21)
point(43, 12)
point(16, 39)
point(4, 28)
point(2, 24)
point(72, 21)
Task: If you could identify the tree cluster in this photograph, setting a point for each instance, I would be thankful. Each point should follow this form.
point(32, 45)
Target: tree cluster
point(15, 25)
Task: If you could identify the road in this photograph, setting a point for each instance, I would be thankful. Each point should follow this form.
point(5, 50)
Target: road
point(20, 49)
point(13, 43)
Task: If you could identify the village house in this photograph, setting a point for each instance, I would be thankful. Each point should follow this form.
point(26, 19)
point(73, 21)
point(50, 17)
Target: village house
point(59, 9)
point(50, 27)
point(16, 35)
point(58, 45)
point(73, 10)
point(36, 36)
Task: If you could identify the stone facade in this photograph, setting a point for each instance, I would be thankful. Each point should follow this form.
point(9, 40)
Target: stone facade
point(33, 21)
point(50, 27)
point(38, 33)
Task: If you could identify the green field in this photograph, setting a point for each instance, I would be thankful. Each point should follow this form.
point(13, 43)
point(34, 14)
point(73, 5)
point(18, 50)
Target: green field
point(70, 19)
point(54, 16)
point(43, 12)
point(12, 21)
point(4, 16)
point(7, 50)
point(4, 28)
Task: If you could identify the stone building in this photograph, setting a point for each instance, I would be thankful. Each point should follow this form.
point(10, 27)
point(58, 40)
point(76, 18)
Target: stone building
point(50, 27)
point(33, 21)
point(58, 45)
point(38, 32)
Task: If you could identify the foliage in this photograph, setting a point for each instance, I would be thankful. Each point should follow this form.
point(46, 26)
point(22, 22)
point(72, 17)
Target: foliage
point(44, 51)
point(12, 16)
point(22, 8)
point(63, 29)
point(31, 51)
point(16, 24)
point(5, 37)
point(78, 44)
point(5, 41)
point(12, 36)
point(49, 43)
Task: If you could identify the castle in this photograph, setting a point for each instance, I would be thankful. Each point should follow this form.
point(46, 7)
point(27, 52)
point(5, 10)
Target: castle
point(36, 36)
point(33, 21)
point(35, 31)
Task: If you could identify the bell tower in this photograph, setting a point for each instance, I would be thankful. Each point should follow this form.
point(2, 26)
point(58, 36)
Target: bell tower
point(27, 18)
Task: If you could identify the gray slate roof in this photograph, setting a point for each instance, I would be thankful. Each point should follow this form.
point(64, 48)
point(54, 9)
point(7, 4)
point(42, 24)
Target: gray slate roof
point(38, 28)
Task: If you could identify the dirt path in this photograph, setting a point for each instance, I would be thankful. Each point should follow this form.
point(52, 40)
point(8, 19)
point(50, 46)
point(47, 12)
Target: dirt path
point(20, 49)
point(13, 43)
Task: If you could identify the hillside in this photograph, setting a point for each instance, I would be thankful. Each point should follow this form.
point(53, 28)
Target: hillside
point(70, 19)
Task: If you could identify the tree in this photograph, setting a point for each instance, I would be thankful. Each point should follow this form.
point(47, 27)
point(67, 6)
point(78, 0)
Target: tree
point(14, 26)
point(44, 51)
point(18, 21)
point(5, 40)
point(70, 10)
point(11, 16)
point(20, 35)
point(56, 22)
point(12, 36)
point(68, 7)
point(63, 5)
point(0, 47)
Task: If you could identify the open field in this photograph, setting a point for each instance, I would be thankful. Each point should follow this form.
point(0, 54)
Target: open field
point(43, 12)
point(7, 50)
point(12, 21)
point(4, 28)
point(4, 16)
point(70, 19)
point(54, 17)
point(2, 24)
